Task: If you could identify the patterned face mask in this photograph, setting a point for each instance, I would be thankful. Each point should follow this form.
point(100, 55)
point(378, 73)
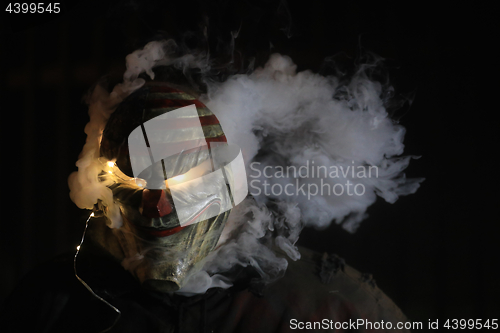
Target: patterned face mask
point(175, 179)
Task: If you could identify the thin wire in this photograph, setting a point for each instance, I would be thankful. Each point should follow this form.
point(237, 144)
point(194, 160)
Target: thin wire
point(86, 285)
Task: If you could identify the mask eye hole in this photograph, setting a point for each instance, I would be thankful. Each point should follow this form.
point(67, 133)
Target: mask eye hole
point(200, 170)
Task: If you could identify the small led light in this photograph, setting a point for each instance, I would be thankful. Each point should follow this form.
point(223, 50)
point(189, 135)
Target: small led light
point(111, 164)
point(78, 247)
point(110, 171)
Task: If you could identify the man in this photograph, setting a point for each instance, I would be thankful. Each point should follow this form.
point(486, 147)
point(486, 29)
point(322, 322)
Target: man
point(171, 244)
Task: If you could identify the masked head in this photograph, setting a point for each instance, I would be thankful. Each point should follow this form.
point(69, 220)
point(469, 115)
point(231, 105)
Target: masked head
point(168, 166)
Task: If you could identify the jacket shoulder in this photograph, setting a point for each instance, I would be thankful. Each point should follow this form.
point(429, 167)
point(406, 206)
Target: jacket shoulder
point(321, 289)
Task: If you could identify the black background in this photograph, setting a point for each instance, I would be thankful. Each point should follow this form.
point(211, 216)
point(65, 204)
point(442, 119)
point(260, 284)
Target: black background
point(435, 253)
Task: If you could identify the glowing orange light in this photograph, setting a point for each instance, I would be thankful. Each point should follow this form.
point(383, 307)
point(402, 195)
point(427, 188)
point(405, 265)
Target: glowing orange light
point(178, 178)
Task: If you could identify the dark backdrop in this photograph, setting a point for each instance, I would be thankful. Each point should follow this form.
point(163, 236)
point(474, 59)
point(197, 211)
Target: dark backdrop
point(435, 252)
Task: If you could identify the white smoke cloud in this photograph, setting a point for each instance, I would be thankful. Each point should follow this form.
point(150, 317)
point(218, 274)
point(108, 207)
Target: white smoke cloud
point(279, 118)
point(293, 120)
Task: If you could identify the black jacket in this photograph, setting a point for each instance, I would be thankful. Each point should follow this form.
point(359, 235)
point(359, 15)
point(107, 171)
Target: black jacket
point(316, 290)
